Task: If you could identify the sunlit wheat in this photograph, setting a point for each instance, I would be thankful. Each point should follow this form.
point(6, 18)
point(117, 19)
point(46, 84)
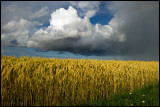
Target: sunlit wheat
point(41, 81)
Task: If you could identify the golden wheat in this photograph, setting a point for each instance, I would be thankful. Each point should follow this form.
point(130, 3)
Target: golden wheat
point(41, 81)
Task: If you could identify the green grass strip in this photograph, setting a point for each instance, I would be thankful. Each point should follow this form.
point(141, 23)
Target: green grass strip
point(146, 96)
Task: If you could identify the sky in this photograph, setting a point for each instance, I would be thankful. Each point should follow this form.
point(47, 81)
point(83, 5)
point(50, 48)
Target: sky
point(113, 30)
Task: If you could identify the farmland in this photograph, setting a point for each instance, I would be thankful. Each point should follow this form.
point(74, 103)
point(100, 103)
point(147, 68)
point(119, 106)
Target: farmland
point(40, 81)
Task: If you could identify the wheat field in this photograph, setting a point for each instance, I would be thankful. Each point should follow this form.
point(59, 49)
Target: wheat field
point(42, 81)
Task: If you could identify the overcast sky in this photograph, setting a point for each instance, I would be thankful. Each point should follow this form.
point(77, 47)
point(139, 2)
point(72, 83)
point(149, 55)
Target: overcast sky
point(88, 28)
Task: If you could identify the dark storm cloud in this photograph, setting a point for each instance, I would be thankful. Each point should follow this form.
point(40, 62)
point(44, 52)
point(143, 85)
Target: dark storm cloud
point(82, 45)
point(139, 21)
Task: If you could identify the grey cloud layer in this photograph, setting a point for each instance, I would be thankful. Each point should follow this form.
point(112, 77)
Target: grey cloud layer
point(29, 10)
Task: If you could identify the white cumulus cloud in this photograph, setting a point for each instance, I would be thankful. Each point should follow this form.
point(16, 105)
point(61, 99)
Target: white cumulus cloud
point(17, 31)
point(68, 31)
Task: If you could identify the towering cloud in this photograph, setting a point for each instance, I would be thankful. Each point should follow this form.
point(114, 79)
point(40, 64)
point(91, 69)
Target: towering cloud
point(69, 32)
